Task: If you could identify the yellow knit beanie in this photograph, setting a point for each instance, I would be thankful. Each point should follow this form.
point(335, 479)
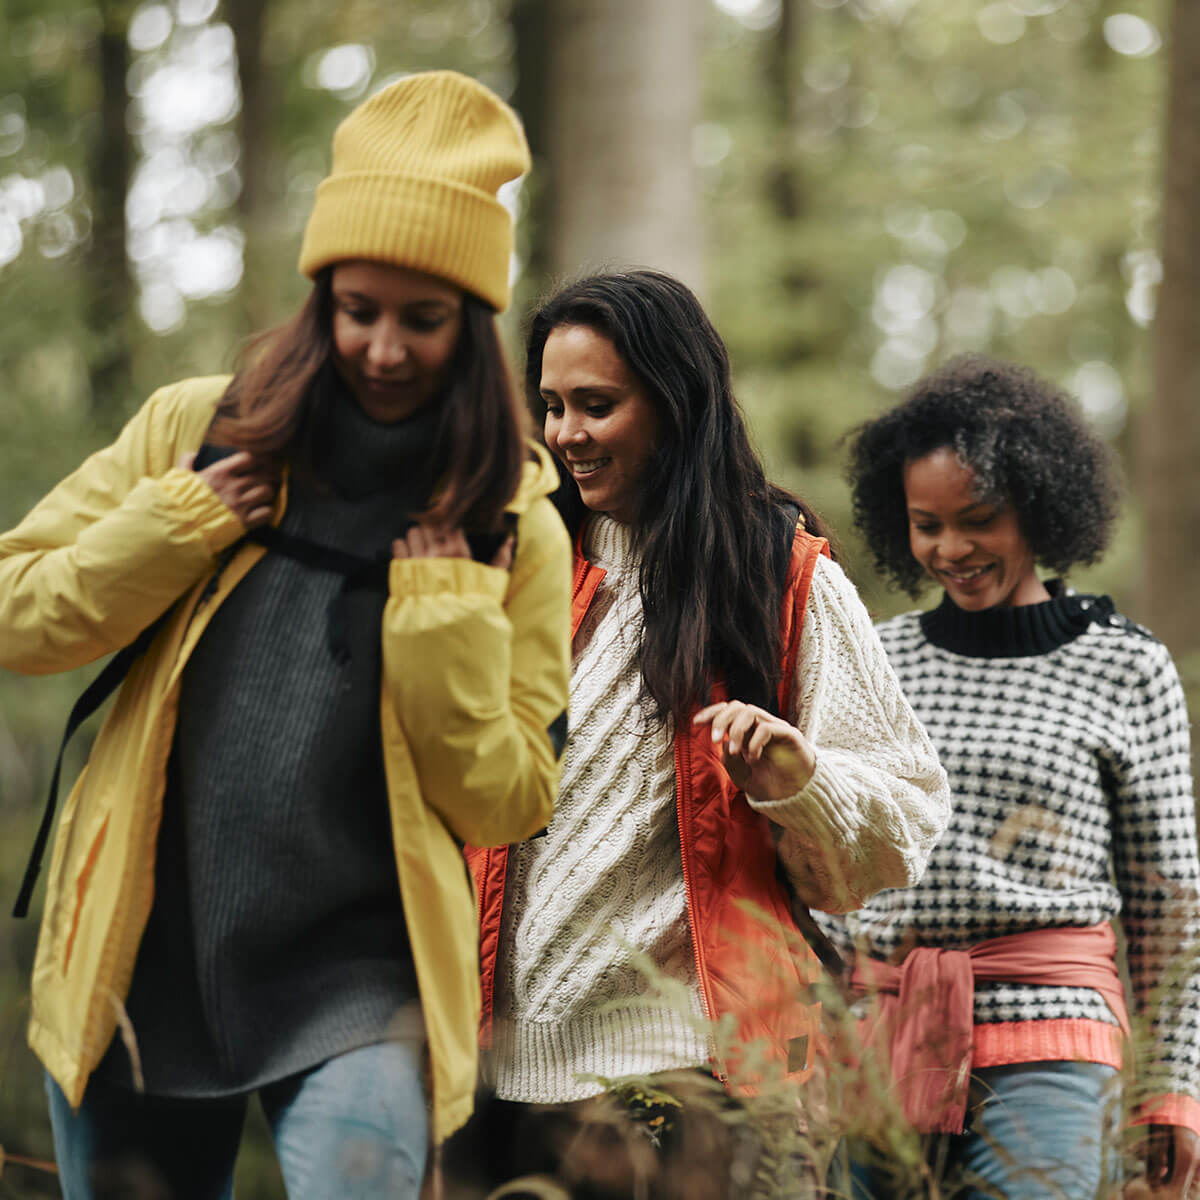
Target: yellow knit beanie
point(415, 173)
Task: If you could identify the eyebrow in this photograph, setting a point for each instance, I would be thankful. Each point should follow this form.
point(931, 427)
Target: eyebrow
point(924, 512)
point(363, 298)
point(587, 389)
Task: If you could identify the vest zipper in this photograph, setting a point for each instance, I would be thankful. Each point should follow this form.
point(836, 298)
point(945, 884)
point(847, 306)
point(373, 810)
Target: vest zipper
point(486, 1039)
point(683, 807)
point(581, 570)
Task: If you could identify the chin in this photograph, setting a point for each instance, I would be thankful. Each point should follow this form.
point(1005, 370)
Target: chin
point(594, 501)
point(976, 603)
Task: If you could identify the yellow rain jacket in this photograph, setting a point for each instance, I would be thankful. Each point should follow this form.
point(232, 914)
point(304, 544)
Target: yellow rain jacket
point(475, 670)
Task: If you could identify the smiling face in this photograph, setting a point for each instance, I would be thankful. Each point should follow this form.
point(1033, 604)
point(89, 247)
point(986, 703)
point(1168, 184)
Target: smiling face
point(972, 547)
point(394, 335)
point(600, 420)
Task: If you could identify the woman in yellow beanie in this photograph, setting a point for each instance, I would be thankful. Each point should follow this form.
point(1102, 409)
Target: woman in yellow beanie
point(353, 609)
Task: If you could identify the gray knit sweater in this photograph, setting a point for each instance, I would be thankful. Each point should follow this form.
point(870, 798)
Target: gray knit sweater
point(277, 937)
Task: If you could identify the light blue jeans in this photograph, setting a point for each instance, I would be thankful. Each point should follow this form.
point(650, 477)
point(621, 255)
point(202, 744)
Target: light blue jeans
point(355, 1127)
point(1038, 1131)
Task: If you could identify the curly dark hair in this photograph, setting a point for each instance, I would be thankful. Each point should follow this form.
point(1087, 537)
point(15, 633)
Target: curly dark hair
point(1026, 443)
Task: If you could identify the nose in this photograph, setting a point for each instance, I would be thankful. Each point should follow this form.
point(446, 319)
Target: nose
point(954, 545)
point(572, 430)
point(387, 348)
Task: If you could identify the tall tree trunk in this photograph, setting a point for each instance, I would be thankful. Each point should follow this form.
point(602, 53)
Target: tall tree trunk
point(247, 19)
point(781, 64)
point(530, 25)
point(1169, 428)
point(624, 101)
point(110, 286)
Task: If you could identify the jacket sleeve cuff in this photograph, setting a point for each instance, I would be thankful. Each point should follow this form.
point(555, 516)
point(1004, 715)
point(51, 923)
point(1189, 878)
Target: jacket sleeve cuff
point(457, 576)
point(205, 512)
point(1170, 1109)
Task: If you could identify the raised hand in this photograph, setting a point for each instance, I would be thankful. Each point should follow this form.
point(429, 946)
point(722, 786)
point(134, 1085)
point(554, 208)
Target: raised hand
point(431, 541)
point(1172, 1157)
point(245, 484)
point(763, 754)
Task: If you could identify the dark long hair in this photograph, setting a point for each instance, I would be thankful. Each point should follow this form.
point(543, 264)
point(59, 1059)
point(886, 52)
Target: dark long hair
point(270, 408)
point(707, 522)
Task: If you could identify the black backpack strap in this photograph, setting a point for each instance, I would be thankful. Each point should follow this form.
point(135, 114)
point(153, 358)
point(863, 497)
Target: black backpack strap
point(315, 554)
point(356, 572)
point(94, 696)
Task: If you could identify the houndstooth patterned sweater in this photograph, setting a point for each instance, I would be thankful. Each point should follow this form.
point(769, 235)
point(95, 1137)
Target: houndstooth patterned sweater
point(1064, 732)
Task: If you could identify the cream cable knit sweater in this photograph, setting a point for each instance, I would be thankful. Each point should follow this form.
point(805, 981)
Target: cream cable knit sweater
point(602, 892)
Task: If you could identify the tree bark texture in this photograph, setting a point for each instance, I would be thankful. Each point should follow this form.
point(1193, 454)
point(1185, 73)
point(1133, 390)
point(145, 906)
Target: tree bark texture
point(781, 68)
point(530, 25)
point(247, 19)
point(1168, 445)
point(110, 283)
point(624, 101)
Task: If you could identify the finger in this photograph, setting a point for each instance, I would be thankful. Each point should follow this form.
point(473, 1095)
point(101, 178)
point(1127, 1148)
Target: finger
point(232, 464)
point(706, 714)
point(186, 460)
point(741, 728)
point(1186, 1145)
point(725, 718)
point(454, 544)
point(261, 494)
point(759, 741)
point(417, 541)
point(504, 556)
point(1157, 1157)
point(399, 548)
point(257, 516)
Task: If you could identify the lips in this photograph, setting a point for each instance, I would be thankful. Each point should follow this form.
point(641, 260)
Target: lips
point(383, 385)
point(583, 468)
point(965, 575)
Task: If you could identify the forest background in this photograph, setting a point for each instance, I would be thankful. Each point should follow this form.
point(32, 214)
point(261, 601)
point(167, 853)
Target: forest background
point(857, 188)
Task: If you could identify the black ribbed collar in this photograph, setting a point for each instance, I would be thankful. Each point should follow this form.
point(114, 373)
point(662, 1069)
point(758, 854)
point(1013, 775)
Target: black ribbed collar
point(1017, 632)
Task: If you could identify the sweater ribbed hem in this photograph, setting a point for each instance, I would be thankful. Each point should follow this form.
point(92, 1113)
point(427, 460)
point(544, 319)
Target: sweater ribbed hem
point(1065, 1039)
point(1169, 1110)
point(543, 1062)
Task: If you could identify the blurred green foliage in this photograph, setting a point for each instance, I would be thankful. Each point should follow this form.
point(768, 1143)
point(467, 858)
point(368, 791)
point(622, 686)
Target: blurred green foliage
point(962, 174)
point(1006, 192)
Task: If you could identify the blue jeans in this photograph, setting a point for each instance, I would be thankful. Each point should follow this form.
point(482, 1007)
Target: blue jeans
point(354, 1127)
point(1037, 1131)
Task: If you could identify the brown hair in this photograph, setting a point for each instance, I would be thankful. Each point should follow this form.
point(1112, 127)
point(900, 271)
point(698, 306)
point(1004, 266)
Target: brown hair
point(268, 408)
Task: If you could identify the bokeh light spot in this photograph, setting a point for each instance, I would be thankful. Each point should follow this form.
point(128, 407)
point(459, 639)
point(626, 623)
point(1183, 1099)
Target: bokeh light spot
point(1131, 35)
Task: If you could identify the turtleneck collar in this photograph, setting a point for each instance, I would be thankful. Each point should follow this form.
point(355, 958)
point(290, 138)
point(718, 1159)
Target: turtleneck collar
point(1020, 631)
point(359, 457)
point(608, 543)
